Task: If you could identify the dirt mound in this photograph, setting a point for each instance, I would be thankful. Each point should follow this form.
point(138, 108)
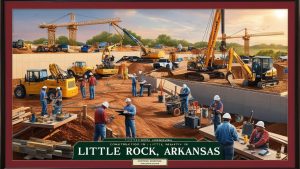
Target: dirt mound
point(21, 51)
point(135, 67)
point(282, 70)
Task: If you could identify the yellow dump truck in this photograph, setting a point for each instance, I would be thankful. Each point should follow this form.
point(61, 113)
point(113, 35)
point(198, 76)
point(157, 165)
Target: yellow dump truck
point(35, 79)
point(79, 69)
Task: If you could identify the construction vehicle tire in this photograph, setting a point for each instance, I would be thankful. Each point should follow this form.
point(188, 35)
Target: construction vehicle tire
point(20, 92)
point(203, 77)
point(98, 76)
point(51, 94)
point(245, 83)
point(176, 112)
point(261, 85)
point(168, 66)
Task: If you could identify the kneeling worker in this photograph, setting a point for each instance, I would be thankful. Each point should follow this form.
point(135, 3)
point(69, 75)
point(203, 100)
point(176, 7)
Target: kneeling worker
point(100, 121)
point(130, 112)
point(226, 134)
point(259, 137)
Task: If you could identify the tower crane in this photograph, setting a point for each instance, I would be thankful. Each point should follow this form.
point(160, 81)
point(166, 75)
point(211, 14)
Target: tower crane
point(72, 26)
point(246, 38)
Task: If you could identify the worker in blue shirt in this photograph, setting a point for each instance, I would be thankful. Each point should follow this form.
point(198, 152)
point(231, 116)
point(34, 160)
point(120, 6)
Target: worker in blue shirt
point(58, 104)
point(185, 92)
point(226, 134)
point(217, 107)
point(130, 112)
point(133, 84)
point(43, 100)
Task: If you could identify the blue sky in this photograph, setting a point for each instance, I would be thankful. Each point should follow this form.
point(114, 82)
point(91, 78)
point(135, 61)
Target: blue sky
point(180, 24)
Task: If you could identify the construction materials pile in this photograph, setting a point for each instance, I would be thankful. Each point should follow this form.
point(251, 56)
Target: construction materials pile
point(20, 114)
point(282, 70)
point(42, 149)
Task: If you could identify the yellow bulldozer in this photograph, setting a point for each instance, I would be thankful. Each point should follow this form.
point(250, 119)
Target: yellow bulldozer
point(35, 79)
point(79, 69)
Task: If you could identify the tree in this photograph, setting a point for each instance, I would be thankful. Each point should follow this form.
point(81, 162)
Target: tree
point(200, 44)
point(63, 40)
point(148, 42)
point(39, 41)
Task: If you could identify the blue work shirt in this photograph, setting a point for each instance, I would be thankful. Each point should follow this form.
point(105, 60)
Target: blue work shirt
point(59, 94)
point(42, 95)
point(217, 105)
point(185, 91)
point(226, 133)
point(132, 112)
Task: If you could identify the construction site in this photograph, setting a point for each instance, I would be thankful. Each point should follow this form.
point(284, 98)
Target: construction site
point(251, 91)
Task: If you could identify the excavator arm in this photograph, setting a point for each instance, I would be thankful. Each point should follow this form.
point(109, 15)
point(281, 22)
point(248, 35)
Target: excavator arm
point(246, 69)
point(108, 49)
point(57, 72)
point(144, 49)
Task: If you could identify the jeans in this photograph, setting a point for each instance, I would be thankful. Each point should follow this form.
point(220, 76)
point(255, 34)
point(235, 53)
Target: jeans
point(185, 105)
point(141, 90)
point(227, 151)
point(130, 128)
point(57, 108)
point(133, 89)
point(217, 121)
point(100, 131)
point(92, 92)
point(82, 89)
point(44, 107)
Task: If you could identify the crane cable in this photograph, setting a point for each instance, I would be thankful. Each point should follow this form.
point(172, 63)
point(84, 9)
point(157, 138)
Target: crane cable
point(207, 26)
point(59, 18)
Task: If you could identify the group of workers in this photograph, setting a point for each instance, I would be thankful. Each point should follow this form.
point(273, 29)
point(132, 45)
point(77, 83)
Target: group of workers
point(141, 79)
point(226, 133)
point(101, 120)
point(57, 99)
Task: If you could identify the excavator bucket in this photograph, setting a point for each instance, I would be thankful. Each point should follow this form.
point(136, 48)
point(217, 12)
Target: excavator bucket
point(229, 78)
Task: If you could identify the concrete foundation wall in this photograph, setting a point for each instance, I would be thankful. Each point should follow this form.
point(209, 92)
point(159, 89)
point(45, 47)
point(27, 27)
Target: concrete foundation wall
point(266, 107)
point(22, 62)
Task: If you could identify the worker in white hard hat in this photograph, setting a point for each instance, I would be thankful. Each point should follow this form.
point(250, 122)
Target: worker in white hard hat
point(130, 112)
point(43, 100)
point(100, 121)
point(259, 137)
point(226, 134)
point(58, 99)
point(184, 95)
point(92, 84)
point(217, 109)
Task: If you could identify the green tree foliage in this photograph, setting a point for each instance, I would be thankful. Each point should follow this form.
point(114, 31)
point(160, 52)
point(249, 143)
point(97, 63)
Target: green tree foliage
point(39, 41)
point(63, 40)
point(271, 53)
point(148, 42)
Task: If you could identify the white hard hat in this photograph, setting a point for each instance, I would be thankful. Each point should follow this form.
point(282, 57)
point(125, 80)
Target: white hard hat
point(226, 116)
point(127, 100)
point(140, 72)
point(260, 124)
point(85, 76)
point(134, 74)
point(44, 87)
point(184, 86)
point(91, 74)
point(105, 104)
point(217, 98)
point(58, 88)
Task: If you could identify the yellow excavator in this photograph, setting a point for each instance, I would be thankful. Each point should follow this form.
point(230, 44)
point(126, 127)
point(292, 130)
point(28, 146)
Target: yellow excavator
point(35, 79)
point(206, 67)
point(107, 67)
point(147, 55)
point(261, 74)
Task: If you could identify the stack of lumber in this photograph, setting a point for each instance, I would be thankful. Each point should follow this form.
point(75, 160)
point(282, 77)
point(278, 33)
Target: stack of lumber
point(20, 114)
point(42, 149)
